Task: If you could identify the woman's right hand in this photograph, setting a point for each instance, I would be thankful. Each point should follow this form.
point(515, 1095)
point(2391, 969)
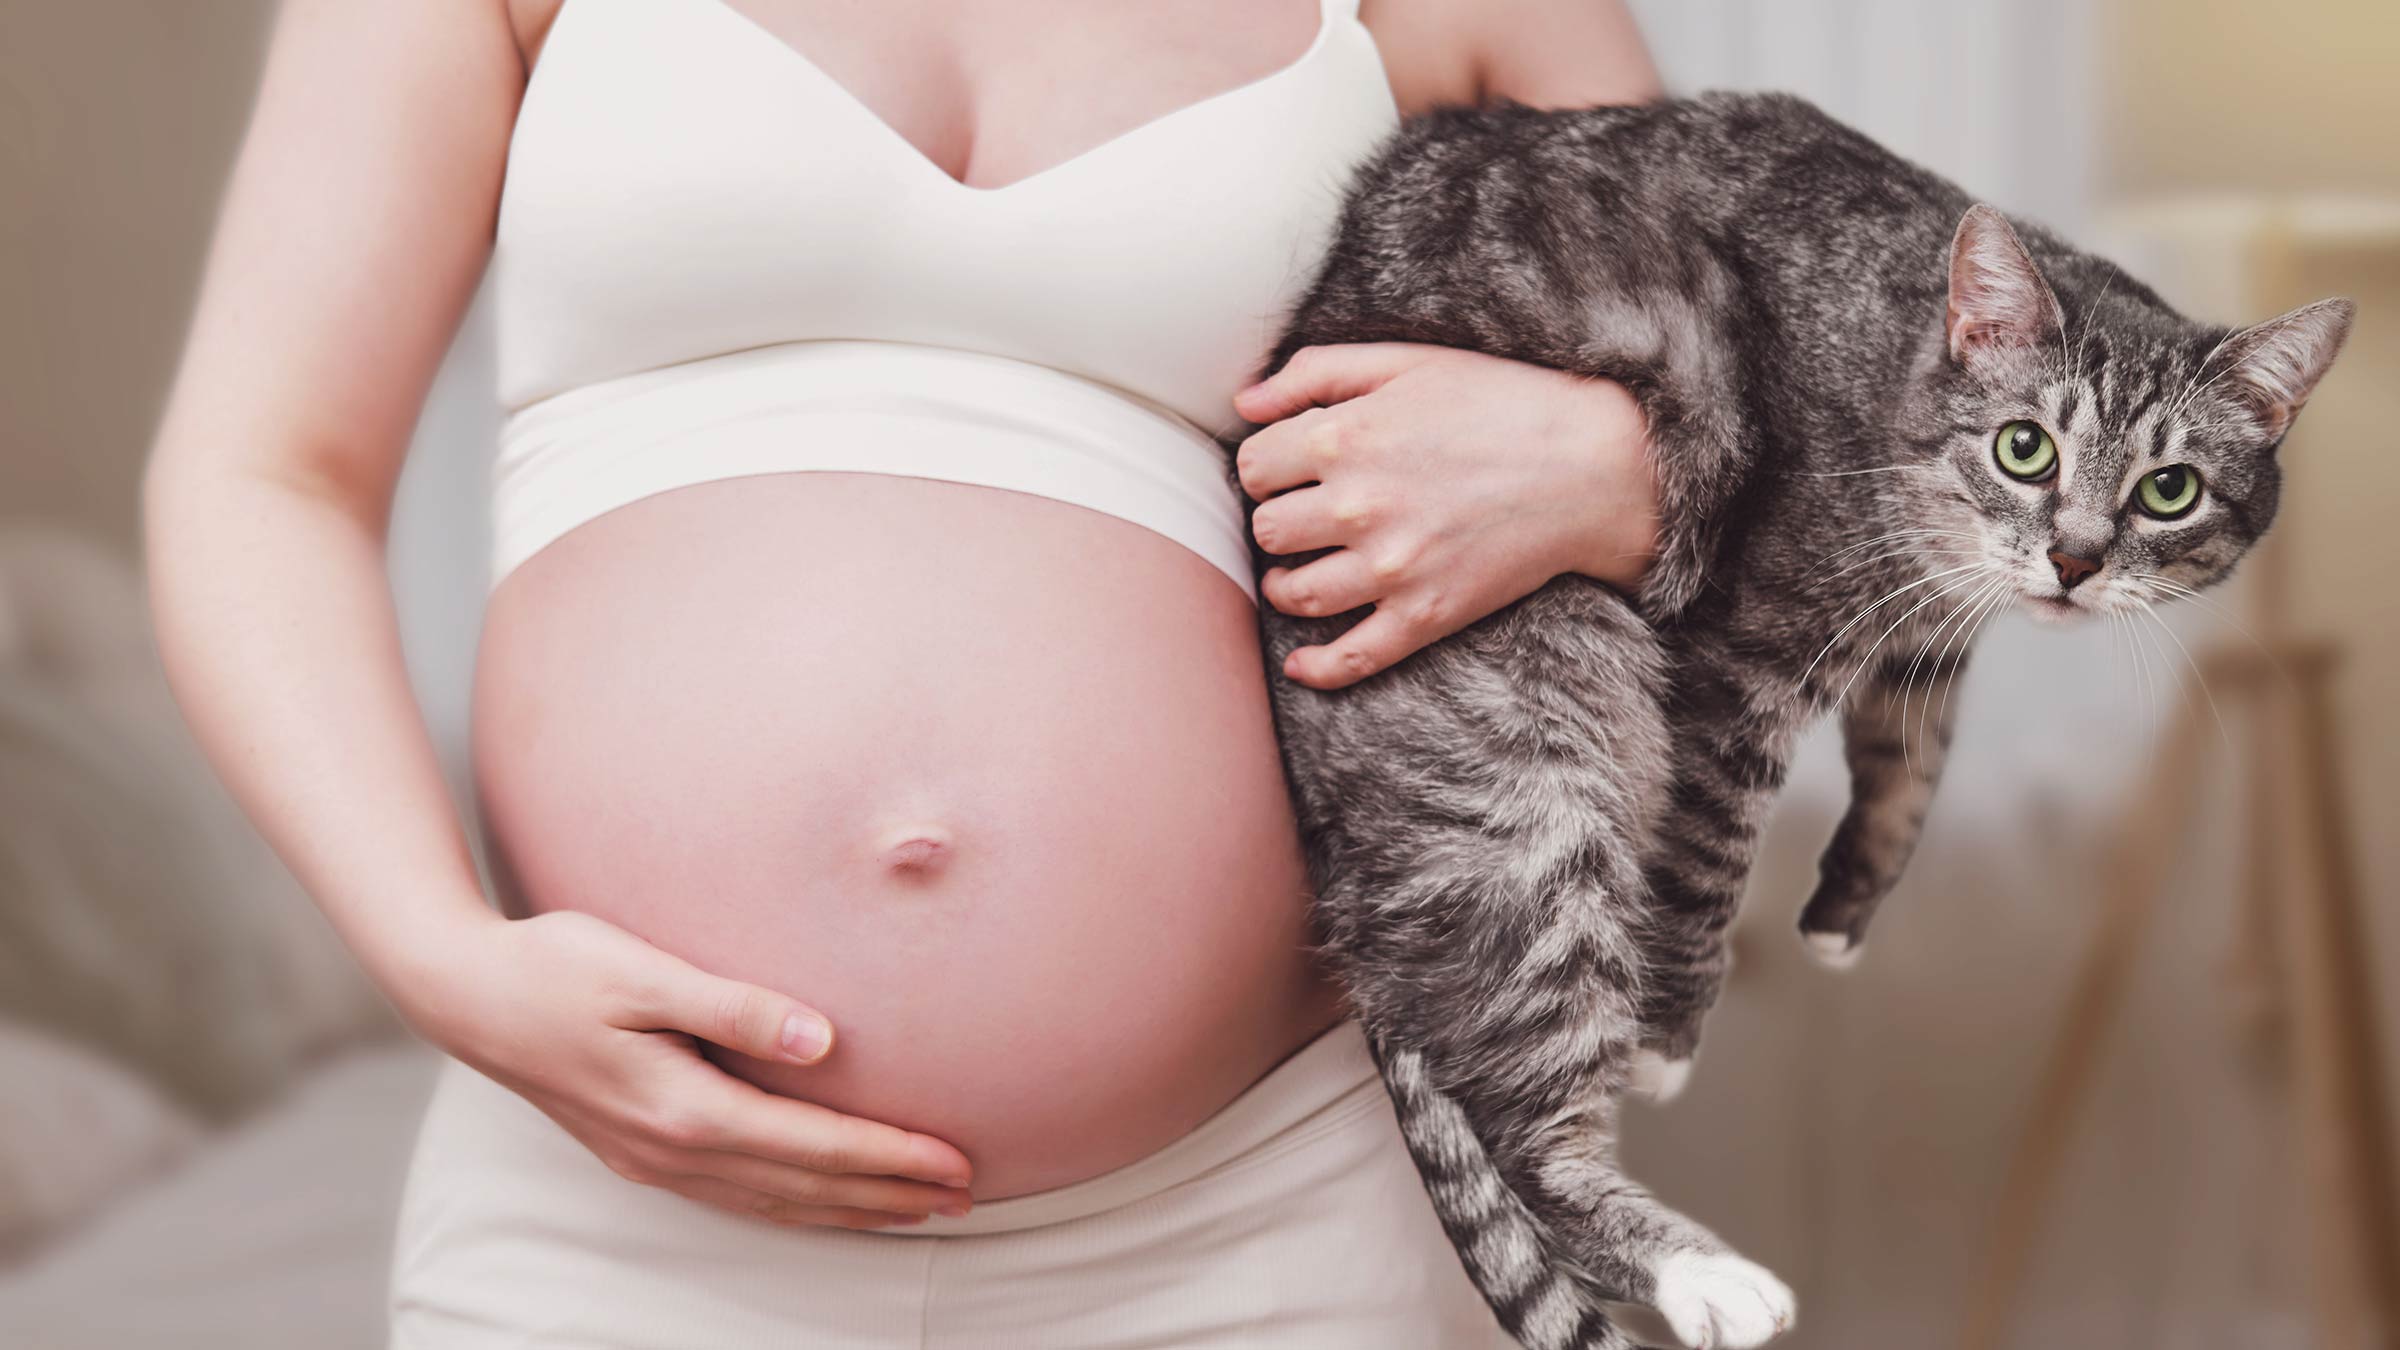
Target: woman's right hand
point(598, 1029)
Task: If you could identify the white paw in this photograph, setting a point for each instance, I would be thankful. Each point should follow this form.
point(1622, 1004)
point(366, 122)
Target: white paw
point(1834, 951)
point(1657, 1077)
point(1719, 1301)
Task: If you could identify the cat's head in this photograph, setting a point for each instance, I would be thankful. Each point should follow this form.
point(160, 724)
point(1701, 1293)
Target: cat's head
point(2107, 453)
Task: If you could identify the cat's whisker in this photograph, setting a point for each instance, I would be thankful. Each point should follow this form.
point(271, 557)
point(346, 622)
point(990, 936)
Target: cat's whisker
point(2132, 659)
point(1903, 537)
point(1831, 577)
point(2199, 676)
point(2150, 694)
point(1909, 679)
point(2172, 693)
point(2226, 616)
point(1932, 551)
point(1852, 473)
point(2142, 660)
point(1902, 533)
point(1956, 616)
point(1889, 596)
point(1893, 536)
point(1962, 639)
point(1994, 599)
point(2118, 650)
point(1861, 616)
point(1868, 660)
point(2151, 675)
point(2117, 640)
point(2001, 595)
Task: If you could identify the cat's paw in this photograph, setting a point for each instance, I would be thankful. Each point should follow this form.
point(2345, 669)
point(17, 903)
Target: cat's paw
point(1834, 951)
point(1720, 1301)
point(1653, 1075)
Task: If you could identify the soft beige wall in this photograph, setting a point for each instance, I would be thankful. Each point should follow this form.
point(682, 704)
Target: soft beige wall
point(2252, 153)
point(2343, 551)
point(117, 119)
point(2202, 94)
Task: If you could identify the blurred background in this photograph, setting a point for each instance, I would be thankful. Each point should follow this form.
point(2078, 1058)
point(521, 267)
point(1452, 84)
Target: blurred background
point(2114, 1074)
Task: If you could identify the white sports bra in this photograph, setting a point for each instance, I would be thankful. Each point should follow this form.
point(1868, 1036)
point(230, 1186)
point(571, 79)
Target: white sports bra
point(714, 261)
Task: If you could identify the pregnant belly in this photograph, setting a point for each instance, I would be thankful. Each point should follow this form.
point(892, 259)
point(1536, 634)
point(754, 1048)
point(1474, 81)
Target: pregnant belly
point(987, 778)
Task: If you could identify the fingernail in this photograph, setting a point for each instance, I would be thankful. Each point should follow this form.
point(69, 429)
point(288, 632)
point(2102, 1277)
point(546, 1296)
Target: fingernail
point(806, 1038)
point(956, 1209)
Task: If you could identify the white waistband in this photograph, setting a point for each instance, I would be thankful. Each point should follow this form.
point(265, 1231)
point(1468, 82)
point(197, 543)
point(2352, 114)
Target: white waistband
point(1324, 1086)
point(862, 407)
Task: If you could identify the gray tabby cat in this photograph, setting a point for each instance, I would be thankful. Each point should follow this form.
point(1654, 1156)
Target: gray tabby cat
point(1879, 414)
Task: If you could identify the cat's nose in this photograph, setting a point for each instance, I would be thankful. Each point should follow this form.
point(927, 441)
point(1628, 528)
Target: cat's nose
point(2071, 569)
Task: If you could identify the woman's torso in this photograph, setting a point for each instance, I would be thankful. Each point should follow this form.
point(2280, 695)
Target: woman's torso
point(960, 735)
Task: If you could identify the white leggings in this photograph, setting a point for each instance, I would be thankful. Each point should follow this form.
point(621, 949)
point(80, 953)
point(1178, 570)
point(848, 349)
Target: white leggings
point(1291, 1218)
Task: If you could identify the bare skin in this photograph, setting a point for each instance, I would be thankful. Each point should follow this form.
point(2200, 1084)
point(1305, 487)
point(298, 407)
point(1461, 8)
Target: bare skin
point(1014, 823)
point(357, 224)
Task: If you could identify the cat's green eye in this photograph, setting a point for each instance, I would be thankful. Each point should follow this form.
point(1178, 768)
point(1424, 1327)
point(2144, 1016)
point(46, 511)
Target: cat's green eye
point(2025, 451)
point(2171, 492)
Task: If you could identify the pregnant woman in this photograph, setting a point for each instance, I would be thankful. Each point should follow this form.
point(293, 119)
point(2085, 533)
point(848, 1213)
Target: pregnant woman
point(870, 739)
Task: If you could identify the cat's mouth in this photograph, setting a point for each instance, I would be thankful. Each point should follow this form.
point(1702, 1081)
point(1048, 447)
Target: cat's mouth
point(2055, 608)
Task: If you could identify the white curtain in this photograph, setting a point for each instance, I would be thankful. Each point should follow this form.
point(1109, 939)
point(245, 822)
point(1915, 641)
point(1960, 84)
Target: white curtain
point(1996, 94)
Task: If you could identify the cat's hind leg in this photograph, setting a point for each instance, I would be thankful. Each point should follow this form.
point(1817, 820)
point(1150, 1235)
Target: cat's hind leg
point(1517, 1153)
point(1476, 819)
point(1728, 765)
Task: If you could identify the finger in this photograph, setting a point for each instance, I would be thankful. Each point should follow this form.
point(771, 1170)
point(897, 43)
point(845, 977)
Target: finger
point(1321, 376)
point(743, 1017)
point(739, 1118)
point(1375, 643)
point(1331, 585)
point(883, 1195)
point(742, 1200)
point(1311, 518)
point(1289, 453)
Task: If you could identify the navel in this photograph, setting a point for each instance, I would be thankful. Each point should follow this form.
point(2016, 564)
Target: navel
point(915, 850)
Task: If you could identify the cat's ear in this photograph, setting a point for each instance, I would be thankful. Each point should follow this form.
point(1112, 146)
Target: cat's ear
point(2273, 367)
point(1997, 297)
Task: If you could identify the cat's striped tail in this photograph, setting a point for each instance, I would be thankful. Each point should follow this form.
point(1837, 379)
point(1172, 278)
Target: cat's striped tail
point(1524, 1271)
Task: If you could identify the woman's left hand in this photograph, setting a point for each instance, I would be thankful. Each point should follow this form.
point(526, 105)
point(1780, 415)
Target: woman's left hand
point(1449, 483)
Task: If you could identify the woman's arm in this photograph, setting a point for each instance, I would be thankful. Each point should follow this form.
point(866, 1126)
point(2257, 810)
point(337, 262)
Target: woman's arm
point(357, 223)
point(353, 232)
point(1544, 53)
point(1560, 53)
point(1451, 483)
